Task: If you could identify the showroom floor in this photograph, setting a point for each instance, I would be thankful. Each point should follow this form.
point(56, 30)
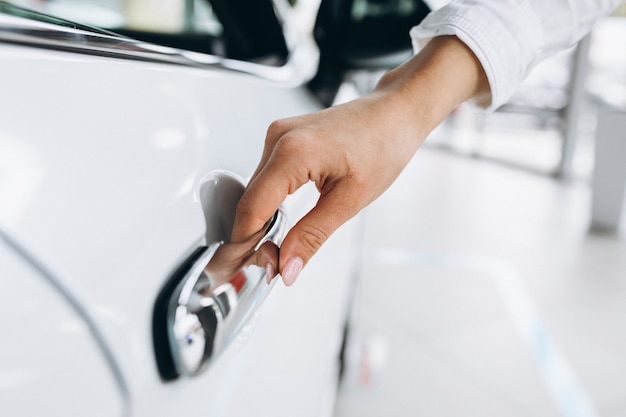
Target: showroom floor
point(484, 293)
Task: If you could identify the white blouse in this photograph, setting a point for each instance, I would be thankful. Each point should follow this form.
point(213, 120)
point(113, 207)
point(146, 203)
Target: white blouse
point(510, 36)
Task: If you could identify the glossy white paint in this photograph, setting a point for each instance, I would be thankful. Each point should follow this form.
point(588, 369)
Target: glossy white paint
point(45, 341)
point(101, 159)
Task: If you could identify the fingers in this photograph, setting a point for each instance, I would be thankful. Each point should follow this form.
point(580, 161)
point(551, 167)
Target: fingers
point(267, 257)
point(324, 148)
point(259, 202)
point(309, 234)
point(230, 258)
point(274, 132)
point(273, 179)
point(278, 178)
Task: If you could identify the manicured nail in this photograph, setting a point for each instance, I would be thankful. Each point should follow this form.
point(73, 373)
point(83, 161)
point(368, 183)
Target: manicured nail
point(270, 272)
point(291, 270)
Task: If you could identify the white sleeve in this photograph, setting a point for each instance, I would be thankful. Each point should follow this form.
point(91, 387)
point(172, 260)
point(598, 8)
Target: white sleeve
point(510, 36)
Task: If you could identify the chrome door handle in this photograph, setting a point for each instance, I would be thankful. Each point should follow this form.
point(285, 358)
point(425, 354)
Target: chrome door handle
point(212, 296)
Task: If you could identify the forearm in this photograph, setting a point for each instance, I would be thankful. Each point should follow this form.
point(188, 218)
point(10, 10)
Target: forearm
point(426, 88)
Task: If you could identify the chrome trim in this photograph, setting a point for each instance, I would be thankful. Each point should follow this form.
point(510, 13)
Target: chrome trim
point(205, 314)
point(299, 68)
point(210, 300)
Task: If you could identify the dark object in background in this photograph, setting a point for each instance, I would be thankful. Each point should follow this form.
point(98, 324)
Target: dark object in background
point(362, 34)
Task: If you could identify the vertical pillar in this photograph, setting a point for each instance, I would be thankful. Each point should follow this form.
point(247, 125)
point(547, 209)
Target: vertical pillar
point(609, 176)
point(580, 68)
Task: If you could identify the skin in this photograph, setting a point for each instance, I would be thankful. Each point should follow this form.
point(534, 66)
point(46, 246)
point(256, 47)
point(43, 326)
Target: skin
point(354, 151)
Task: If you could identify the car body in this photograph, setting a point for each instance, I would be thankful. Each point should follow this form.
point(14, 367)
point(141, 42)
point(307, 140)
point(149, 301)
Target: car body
point(106, 146)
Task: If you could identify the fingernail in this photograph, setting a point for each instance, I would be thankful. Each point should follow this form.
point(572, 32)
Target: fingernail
point(270, 272)
point(291, 270)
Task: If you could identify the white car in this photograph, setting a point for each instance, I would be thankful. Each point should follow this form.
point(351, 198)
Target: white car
point(122, 156)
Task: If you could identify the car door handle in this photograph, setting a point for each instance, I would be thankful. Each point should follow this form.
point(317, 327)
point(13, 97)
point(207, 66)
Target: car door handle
point(208, 301)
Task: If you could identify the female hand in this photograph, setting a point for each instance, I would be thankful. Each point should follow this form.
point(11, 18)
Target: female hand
point(354, 151)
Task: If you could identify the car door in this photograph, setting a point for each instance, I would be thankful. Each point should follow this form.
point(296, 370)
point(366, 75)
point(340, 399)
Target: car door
point(111, 142)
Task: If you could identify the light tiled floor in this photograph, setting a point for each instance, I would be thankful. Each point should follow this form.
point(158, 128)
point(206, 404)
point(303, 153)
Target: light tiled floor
point(484, 294)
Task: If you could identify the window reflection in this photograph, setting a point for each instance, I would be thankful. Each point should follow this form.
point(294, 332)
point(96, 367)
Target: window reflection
point(246, 30)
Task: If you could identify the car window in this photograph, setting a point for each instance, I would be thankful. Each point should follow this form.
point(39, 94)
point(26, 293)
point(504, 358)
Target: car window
point(239, 29)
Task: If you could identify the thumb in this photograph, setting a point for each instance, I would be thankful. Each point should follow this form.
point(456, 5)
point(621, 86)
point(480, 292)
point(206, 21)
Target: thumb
point(307, 236)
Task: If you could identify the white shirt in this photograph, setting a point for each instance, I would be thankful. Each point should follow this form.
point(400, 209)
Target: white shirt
point(510, 36)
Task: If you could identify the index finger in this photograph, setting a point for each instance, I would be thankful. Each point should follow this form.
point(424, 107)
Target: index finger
point(264, 195)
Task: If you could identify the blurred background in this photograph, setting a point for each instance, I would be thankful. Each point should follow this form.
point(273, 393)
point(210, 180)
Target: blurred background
point(494, 269)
